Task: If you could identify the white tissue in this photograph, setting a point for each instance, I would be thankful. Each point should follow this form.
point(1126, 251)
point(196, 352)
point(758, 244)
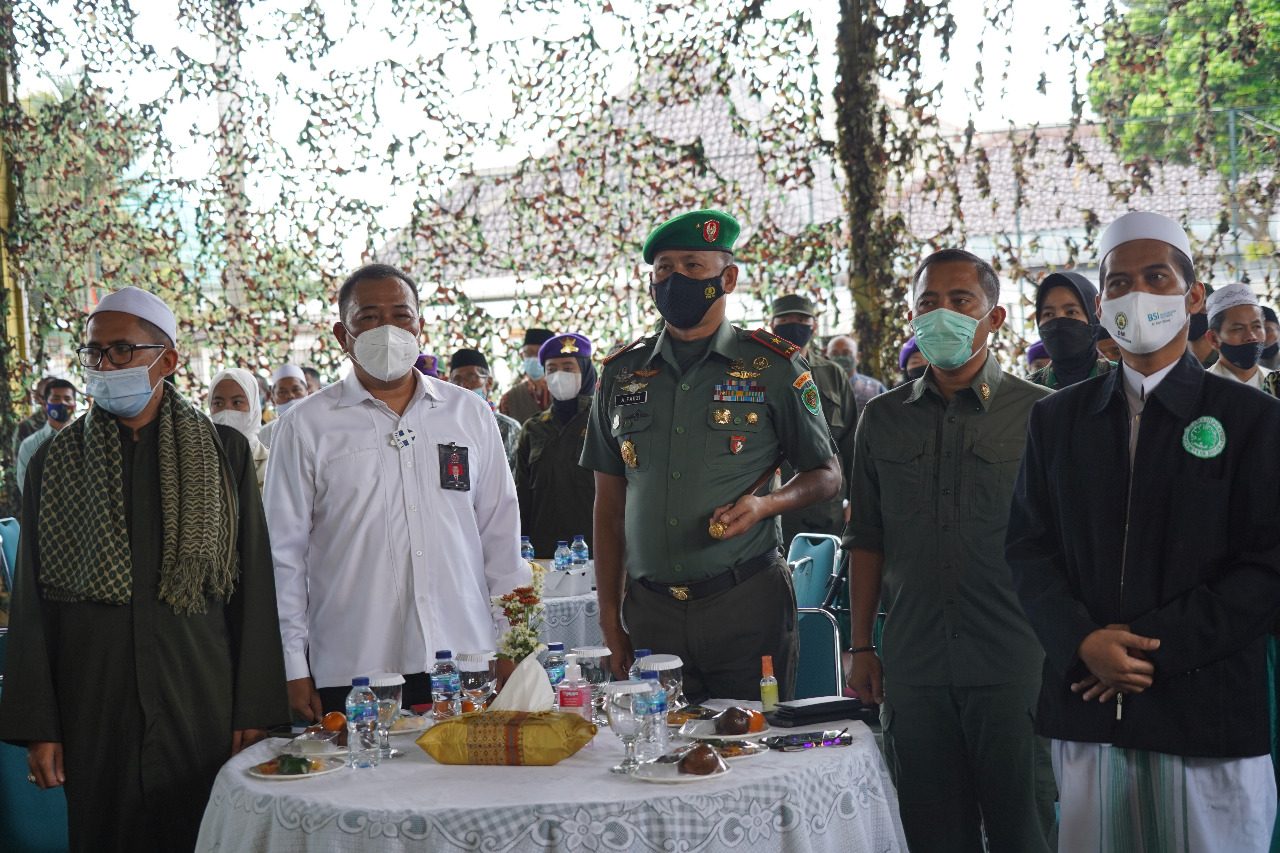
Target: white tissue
point(527, 689)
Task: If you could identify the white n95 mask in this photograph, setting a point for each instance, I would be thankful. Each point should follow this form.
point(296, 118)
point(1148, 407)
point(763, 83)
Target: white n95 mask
point(385, 352)
point(564, 385)
point(241, 422)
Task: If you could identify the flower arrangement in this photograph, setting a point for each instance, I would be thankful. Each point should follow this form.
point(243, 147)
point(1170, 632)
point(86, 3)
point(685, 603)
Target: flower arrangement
point(523, 609)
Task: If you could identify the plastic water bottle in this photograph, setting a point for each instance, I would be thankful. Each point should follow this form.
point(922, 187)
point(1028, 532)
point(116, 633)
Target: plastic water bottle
point(654, 738)
point(563, 556)
point(636, 672)
point(526, 548)
point(362, 725)
point(578, 552)
point(446, 687)
point(554, 664)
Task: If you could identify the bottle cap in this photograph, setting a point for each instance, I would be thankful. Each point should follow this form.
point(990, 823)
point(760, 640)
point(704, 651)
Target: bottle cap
point(562, 543)
point(444, 654)
point(360, 682)
point(767, 661)
point(555, 647)
point(649, 675)
point(643, 653)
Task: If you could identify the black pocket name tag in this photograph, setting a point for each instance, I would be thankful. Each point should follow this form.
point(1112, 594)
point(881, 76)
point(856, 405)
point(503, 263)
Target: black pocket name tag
point(631, 399)
point(455, 470)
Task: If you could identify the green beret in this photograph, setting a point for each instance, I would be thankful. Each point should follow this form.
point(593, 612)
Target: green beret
point(699, 231)
point(793, 303)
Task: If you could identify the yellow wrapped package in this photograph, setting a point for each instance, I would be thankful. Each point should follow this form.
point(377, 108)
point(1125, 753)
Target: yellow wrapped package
point(507, 737)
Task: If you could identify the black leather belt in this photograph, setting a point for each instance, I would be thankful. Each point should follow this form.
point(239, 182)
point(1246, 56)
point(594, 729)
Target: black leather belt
point(740, 573)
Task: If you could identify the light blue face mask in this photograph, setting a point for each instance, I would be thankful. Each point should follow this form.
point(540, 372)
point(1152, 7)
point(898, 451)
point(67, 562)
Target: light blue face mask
point(945, 337)
point(480, 393)
point(123, 393)
point(533, 368)
point(281, 408)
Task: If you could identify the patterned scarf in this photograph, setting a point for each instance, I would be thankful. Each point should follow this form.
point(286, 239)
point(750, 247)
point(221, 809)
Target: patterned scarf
point(84, 540)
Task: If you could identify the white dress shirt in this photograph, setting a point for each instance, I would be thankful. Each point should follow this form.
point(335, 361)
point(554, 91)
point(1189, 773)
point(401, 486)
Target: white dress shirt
point(1254, 381)
point(377, 566)
point(1136, 389)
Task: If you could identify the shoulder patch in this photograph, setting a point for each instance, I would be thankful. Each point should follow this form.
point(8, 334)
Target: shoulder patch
point(628, 348)
point(779, 345)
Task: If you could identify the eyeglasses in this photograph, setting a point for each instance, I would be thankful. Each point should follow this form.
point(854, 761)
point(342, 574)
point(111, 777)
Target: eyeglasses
point(117, 354)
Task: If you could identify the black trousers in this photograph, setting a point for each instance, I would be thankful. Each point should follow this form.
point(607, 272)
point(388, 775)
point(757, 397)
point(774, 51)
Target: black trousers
point(417, 691)
point(721, 638)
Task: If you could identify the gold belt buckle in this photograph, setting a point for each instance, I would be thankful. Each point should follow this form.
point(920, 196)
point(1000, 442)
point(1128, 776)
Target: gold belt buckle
point(680, 593)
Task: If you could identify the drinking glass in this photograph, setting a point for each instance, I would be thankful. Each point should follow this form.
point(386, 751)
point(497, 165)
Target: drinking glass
point(626, 706)
point(389, 697)
point(477, 674)
point(594, 661)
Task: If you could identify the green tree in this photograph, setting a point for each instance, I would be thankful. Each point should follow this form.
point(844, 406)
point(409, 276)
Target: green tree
point(1198, 82)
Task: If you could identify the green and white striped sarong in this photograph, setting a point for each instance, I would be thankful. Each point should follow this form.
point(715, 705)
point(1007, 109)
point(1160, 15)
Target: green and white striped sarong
point(1133, 801)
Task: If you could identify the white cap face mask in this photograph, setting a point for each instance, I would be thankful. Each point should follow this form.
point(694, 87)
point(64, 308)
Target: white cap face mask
point(1143, 322)
point(564, 385)
point(385, 352)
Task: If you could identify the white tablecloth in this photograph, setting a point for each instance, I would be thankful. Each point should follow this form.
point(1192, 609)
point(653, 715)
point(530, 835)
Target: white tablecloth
point(573, 620)
point(826, 800)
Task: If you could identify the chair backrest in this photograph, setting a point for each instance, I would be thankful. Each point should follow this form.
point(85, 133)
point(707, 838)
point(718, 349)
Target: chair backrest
point(815, 562)
point(820, 672)
point(31, 820)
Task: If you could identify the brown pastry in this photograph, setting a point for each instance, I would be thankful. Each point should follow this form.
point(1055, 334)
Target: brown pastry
point(733, 721)
point(702, 760)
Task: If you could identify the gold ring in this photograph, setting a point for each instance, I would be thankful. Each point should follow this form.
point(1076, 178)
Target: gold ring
point(717, 529)
point(31, 777)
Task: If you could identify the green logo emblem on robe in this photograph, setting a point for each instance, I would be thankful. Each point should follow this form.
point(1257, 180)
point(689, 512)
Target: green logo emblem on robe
point(1204, 437)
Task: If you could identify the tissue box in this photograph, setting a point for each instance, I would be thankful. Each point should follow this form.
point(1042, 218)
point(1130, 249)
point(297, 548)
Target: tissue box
point(571, 582)
point(507, 737)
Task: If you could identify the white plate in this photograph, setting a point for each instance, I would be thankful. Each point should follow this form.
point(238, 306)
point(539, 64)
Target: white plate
point(399, 732)
point(331, 765)
point(669, 774)
point(706, 730)
point(313, 748)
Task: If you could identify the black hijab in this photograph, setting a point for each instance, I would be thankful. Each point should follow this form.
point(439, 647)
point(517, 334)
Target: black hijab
point(1073, 354)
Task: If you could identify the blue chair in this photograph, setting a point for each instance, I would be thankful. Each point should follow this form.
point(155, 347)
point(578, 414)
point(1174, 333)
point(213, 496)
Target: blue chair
point(815, 566)
point(820, 672)
point(31, 820)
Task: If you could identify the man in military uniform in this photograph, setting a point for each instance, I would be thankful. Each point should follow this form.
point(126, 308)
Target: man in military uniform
point(685, 426)
point(795, 319)
point(556, 493)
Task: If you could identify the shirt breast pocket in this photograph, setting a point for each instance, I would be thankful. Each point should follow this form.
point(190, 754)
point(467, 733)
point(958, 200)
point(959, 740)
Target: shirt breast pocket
point(995, 470)
point(635, 442)
point(731, 429)
point(900, 467)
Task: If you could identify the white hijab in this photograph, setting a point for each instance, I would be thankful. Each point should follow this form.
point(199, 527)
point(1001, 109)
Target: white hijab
point(248, 423)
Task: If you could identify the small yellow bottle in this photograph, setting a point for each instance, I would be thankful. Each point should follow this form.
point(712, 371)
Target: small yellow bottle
point(768, 686)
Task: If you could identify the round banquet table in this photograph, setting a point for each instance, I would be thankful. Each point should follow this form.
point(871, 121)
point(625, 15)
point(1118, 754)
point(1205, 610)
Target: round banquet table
point(827, 799)
point(573, 620)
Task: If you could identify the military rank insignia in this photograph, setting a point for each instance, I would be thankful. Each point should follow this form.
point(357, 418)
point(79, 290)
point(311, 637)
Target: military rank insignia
point(779, 345)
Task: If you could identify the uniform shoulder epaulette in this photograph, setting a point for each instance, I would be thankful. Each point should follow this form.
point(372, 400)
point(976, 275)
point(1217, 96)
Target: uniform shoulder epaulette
point(779, 345)
point(628, 348)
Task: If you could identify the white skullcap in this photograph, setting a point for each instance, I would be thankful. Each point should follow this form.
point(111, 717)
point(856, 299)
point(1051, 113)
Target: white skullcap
point(1229, 297)
point(142, 304)
point(1141, 225)
point(285, 371)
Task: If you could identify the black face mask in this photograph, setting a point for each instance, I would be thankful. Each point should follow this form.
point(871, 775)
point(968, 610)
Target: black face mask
point(1270, 352)
point(1067, 339)
point(1199, 325)
point(798, 333)
point(684, 301)
point(914, 373)
point(1243, 356)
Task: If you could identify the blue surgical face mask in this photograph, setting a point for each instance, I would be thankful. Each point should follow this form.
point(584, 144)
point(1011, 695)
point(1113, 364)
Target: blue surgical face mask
point(533, 368)
point(123, 393)
point(480, 393)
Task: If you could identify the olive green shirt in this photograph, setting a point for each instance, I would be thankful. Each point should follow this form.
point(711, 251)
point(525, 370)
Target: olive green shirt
point(694, 453)
point(932, 488)
point(1047, 378)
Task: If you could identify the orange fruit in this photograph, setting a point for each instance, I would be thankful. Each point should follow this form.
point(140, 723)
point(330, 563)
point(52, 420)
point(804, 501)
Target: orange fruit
point(467, 706)
point(334, 721)
point(757, 721)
